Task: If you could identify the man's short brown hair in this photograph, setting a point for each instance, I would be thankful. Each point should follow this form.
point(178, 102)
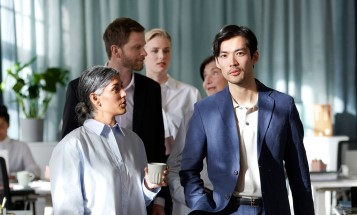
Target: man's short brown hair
point(118, 32)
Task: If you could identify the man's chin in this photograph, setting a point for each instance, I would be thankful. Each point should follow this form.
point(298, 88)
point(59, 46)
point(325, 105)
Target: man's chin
point(138, 67)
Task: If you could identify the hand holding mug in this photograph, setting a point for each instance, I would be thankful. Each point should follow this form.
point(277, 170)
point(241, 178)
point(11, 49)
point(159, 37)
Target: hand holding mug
point(156, 175)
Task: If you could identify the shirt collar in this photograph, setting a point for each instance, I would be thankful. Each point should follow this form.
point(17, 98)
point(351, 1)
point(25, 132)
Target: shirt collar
point(131, 84)
point(170, 83)
point(236, 105)
point(6, 141)
point(100, 128)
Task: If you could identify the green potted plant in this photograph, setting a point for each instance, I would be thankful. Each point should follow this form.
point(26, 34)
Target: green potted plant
point(34, 91)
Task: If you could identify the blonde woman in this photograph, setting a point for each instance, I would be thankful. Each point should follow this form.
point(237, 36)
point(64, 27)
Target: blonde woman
point(178, 98)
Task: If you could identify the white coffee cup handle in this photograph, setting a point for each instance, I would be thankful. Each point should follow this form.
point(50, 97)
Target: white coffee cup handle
point(31, 176)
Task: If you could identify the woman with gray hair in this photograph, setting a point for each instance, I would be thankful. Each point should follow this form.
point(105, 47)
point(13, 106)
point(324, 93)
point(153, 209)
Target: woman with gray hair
point(100, 168)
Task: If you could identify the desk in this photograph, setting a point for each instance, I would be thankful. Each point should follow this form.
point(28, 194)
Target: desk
point(345, 211)
point(320, 187)
point(40, 187)
point(42, 192)
point(20, 212)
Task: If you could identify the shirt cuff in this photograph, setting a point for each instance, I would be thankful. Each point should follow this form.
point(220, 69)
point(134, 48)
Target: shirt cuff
point(150, 193)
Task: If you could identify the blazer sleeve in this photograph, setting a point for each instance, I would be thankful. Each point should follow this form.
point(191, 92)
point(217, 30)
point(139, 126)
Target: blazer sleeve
point(297, 167)
point(193, 154)
point(69, 119)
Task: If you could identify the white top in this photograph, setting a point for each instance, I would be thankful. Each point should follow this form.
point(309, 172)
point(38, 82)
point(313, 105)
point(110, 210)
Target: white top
point(19, 157)
point(97, 169)
point(249, 177)
point(178, 99)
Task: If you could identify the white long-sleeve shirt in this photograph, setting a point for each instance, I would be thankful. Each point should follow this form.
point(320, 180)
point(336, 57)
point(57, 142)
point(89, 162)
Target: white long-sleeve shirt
point(178, 99)
point(97, 169)
point(19, 157)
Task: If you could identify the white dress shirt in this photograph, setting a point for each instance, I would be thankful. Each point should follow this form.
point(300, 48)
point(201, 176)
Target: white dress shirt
point(97, 169)
point(178, 98)
point(126, 120)
point(19, 157)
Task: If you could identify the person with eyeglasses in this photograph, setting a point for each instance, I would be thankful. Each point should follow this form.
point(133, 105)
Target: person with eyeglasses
point(250, 135)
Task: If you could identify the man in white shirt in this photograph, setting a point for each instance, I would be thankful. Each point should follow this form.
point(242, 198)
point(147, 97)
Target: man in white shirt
point(249, 135)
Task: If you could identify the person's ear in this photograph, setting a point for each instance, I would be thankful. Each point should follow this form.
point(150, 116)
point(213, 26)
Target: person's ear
point(217, 63)
point(255, 57)
point(95, 100)
point(116, 51)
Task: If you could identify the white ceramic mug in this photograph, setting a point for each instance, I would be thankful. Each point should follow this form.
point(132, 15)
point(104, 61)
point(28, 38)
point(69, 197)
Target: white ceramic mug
point(156, 171)
point(24, 178)
point(344, 170)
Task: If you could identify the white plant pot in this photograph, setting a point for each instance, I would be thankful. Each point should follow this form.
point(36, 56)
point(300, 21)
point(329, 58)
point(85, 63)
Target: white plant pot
point(31, 130)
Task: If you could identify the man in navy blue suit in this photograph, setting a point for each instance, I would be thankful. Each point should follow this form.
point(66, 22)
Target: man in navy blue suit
point(251, 137)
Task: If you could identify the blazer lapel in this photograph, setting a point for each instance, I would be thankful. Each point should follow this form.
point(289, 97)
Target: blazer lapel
point(265, 112)
point(226, 109)
point(139, 102)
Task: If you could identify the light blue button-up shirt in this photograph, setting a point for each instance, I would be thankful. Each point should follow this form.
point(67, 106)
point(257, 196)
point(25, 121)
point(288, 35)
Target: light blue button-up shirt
point(97, 169)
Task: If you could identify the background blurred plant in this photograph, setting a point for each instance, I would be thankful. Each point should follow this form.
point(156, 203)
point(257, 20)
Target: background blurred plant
point(34, 91)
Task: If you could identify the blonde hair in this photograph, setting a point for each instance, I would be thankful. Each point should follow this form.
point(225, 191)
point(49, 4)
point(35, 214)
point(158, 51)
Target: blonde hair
point(157, 32)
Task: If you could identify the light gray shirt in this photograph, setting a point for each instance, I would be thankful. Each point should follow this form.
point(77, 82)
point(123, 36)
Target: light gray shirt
point(174, 162)
point(19, 157)
point(97, 169)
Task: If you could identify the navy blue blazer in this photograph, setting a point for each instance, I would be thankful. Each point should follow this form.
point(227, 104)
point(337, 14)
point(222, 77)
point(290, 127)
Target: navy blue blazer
point(212, 133)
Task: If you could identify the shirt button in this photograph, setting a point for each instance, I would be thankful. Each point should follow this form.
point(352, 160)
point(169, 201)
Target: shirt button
point(235, 172)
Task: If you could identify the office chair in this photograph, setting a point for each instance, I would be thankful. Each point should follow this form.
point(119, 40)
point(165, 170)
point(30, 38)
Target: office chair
point(5, 191)
point(343, 148)
point(4, 184)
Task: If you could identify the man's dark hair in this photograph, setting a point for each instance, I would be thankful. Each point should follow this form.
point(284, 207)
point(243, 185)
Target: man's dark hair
point(118, 32)
point(230, 31)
